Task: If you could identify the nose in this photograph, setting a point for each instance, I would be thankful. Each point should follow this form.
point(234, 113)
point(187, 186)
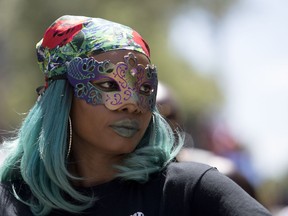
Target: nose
point(130, 107)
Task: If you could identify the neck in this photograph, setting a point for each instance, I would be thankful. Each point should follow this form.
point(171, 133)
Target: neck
point(94, 167)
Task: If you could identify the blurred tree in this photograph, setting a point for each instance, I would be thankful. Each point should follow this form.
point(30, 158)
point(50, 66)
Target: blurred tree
point(217, 8)
point(24, 22)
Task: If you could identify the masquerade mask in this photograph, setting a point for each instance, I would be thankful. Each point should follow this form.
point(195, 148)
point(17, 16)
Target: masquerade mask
point(114, 84)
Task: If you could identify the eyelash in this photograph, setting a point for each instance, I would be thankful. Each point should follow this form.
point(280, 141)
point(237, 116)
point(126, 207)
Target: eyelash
point(145, 91)
point(107, 86)
point(110, 86)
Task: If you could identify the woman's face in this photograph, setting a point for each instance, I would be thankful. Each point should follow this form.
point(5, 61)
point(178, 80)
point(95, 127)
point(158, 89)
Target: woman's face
point(115, 130)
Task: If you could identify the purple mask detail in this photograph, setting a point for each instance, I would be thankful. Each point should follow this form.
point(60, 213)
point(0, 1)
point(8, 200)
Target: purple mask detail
point(114, 85)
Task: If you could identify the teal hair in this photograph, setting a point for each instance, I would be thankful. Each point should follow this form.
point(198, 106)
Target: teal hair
point(37, 155)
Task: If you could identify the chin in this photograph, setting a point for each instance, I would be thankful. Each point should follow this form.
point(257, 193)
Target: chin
point(128, 148)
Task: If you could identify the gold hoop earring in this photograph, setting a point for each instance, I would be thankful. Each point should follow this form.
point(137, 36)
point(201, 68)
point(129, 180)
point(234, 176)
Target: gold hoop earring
point(70, 137)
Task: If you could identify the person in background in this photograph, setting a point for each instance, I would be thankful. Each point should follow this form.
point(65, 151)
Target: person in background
point(94, 143)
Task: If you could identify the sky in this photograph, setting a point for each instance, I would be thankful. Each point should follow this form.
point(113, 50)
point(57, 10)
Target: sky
point(248, 55)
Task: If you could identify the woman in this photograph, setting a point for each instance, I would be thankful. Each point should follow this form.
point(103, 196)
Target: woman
point(94, 143)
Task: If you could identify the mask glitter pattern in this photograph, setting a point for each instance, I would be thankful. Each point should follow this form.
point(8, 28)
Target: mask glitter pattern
point(130, 79)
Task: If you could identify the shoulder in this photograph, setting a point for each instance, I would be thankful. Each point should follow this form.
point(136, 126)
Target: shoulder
point(199, 179)
point(193, 186)
point(183, 178)
point(181, 186)
point(9, 204)
point(187, 171)
point(188, 167)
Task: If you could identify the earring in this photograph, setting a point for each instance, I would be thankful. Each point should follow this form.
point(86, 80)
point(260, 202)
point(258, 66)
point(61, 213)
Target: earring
point(70, 137)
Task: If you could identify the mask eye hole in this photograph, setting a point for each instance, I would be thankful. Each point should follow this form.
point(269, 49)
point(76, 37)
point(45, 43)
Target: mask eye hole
point(146, 89)
point(106, 85)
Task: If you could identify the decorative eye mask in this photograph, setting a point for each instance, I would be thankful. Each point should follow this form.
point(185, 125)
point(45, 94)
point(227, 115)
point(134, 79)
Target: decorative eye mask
point(114, 84)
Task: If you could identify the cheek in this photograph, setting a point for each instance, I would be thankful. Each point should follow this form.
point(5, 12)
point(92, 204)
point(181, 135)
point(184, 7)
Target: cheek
point(79, 122)
point(146, 120)
point(87, 127)
point(82, 116)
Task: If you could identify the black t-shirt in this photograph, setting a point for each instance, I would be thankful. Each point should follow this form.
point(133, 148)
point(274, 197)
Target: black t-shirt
point(182, 189)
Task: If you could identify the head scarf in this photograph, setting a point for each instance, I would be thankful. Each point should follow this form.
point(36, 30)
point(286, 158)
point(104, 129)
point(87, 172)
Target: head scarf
point(78, 36)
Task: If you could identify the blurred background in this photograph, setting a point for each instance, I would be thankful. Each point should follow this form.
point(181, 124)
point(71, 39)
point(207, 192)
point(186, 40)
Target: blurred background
point(224, 60)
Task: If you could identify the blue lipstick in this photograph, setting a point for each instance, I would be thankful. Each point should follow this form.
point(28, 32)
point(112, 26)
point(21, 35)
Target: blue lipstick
point(126, 128)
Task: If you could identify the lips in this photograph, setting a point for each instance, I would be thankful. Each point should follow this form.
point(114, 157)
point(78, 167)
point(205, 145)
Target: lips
point(126, 128)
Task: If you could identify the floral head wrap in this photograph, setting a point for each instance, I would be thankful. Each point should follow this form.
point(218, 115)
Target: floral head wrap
point(78, 36)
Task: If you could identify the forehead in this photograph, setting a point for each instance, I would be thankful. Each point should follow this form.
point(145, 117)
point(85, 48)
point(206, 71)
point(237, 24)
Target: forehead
point(116, 56)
